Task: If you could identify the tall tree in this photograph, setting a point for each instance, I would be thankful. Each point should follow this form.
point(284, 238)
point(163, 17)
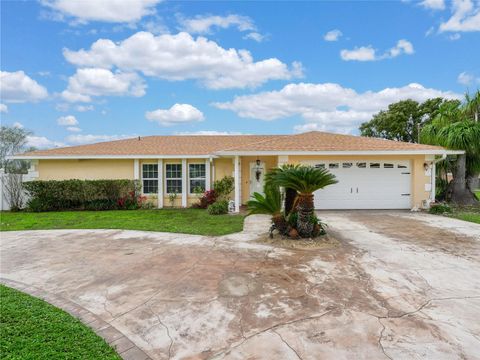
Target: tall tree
point(402, 120)
point(453, 128)
point(13, 140)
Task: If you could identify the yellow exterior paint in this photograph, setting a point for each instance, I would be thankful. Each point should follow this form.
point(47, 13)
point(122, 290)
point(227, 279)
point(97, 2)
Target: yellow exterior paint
point(220, 167)
point(85, 169)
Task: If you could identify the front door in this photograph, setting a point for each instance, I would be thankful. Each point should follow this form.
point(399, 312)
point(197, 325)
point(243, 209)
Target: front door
point(257, 175)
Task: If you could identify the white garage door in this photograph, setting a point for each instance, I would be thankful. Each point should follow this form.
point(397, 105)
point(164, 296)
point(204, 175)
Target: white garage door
point(366, 185)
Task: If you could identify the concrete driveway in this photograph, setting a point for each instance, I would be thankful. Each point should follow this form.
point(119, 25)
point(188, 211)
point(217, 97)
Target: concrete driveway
point(398, 285)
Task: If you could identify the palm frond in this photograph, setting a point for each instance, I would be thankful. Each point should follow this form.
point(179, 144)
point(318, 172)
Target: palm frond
point(303, 179)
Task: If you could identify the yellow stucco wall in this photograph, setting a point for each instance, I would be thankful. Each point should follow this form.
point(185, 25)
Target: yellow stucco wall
point(85, 169)
point(418, 172)
point(124, 169)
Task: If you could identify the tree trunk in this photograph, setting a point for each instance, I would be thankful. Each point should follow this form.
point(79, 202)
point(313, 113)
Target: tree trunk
point(305, 212)
point(290, 196)
point(473, 182)
point(280, 223)
point(458, 192)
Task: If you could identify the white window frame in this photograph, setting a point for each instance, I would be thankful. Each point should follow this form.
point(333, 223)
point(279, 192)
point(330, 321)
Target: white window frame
point(150, 178)
point(176, 178)
point(204, 178)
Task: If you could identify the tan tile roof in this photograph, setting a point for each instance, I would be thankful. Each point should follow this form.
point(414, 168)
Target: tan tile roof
point(211, 144)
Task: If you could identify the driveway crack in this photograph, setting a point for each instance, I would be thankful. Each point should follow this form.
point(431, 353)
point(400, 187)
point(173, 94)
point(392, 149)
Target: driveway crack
point(286, 343)
point(167, 330)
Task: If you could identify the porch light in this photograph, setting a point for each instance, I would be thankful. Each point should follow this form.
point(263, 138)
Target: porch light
point(258, 170)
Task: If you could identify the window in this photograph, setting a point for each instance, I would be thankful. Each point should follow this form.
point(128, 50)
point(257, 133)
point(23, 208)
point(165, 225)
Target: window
point(196, 176)
point(400, 166)
point(173, 176)
point(388, 166)
point(150, 178)
point(361, 165)
point(347, 165)
point(333, 166)
point(374, 165)
point(319, 166)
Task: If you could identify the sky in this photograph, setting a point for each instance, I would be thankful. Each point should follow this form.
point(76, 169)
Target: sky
point(76, 72)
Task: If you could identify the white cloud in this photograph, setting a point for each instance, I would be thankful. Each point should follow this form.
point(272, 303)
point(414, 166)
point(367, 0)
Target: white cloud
point(368, 53)
point(182, 57)
point(102, 82)
point(84, 108)
point(68, 120)
point(3, 108)
point(86, 139)
point(18, 125)
point(465, 17)
point(42, 142)
point(205, 24)
point(332, 35)
point(177, 114)
point(467, 79)
point(363, 53)
point(255, 36)
point(19, 87)
point(209, 132)
point(454, 37)
point(73, 129)
point(433, 4)
point(113, 11)
point(326, 106)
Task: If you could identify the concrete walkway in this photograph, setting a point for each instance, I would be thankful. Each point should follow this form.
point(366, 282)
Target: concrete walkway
point(399, 285)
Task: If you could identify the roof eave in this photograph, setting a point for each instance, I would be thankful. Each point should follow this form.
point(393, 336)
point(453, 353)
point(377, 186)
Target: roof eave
point(348, 152)
point(93, 157)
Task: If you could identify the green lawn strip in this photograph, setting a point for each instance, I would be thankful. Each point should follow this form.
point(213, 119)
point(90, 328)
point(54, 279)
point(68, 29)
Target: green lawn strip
point(30, 328)
point(467, 216)
point(188, 221)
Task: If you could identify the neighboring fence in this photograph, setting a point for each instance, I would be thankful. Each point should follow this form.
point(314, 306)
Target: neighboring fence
point(4, 201)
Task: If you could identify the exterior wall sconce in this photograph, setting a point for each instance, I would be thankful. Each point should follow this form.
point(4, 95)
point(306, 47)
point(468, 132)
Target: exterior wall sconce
point(258, 170)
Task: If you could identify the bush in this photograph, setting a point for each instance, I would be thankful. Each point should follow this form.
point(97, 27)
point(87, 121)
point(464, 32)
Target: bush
point(208, 198)
point(224, 187)
point(440, 209)
point(56, 195)
point(218, 208)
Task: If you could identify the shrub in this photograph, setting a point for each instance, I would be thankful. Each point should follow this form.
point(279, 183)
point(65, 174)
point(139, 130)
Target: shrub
point(224, 187)
point(440, 209)
point(82, 194)
point(208, 198)
point(218, 208)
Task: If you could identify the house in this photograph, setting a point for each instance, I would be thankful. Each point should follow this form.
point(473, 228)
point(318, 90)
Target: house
point(372, 173)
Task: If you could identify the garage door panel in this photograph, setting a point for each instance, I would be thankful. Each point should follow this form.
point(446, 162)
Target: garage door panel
point(372, 185)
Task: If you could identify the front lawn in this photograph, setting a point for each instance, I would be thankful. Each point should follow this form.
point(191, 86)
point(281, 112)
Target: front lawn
point(466, 216)
point(188, 221)
point(30, 328)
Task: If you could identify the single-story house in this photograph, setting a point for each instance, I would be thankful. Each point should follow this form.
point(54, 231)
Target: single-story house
point(372, 173)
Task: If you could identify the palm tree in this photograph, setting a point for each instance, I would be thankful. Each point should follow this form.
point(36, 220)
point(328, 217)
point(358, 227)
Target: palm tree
point(305, 180)
point(454, 129)
point(270, 203)
point(290, 194)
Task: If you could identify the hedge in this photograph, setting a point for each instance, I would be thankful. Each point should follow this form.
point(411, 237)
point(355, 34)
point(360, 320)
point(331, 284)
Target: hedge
point(55, 195)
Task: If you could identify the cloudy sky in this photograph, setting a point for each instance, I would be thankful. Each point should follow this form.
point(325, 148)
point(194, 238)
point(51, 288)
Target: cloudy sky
point(84, 71)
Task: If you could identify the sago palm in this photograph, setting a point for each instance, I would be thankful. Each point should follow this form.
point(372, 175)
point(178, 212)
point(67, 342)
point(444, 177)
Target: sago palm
point(271, 204)
point(305, 180)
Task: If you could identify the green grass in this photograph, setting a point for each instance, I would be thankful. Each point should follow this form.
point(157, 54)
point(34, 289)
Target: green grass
point(188, 221)
point(466, 216)
point(33, 329)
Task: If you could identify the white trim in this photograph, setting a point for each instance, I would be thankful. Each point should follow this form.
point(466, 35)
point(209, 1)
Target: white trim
point(237, 183)
point(208, 175)
point(86, 157)
point(366, 152)
point(136, 169)
point(160, 184)
point(184, 183)
point(238, 153)
point(180, 178)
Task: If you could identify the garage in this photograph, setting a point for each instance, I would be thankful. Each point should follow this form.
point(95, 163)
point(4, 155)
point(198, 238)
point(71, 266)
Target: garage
point(366, 185)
